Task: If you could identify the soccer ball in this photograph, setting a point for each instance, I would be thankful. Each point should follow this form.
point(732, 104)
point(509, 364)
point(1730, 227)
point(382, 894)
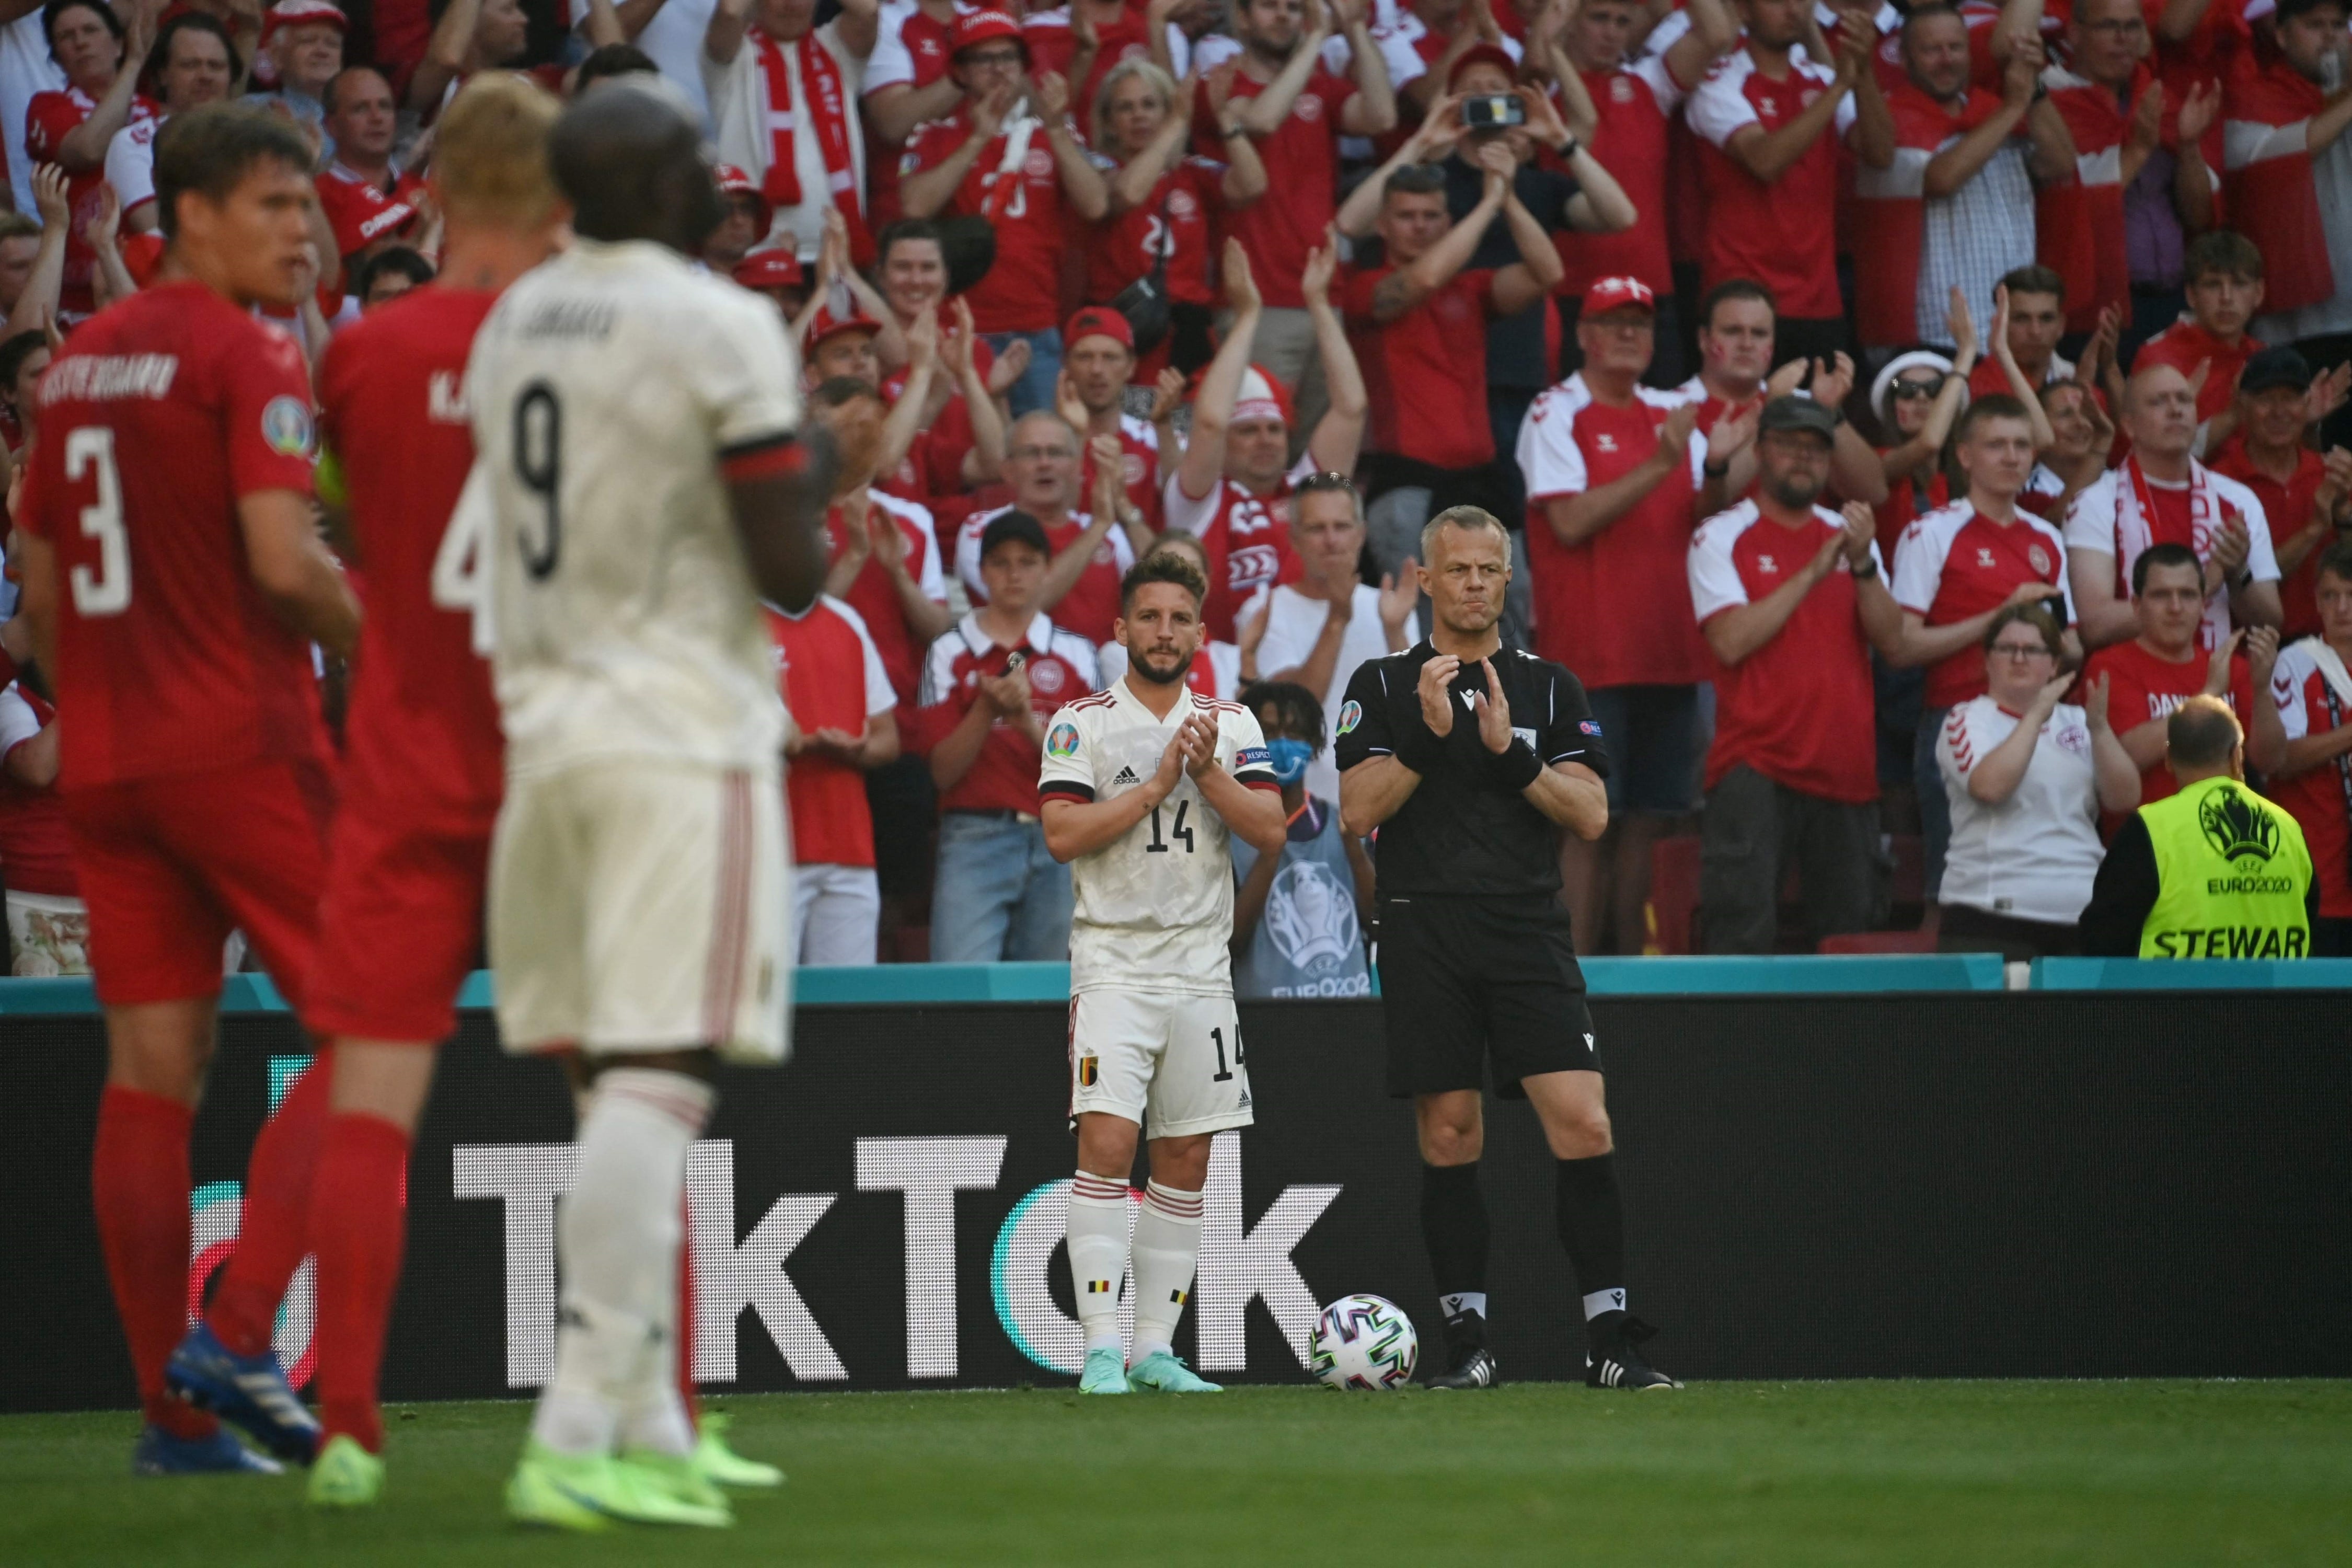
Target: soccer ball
point(1365, 1342)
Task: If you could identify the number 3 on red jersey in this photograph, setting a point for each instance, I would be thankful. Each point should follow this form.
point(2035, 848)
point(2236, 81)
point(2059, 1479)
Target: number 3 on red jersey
point(106, 590)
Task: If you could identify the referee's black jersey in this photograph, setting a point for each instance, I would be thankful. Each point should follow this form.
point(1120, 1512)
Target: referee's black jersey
point(1465, 830)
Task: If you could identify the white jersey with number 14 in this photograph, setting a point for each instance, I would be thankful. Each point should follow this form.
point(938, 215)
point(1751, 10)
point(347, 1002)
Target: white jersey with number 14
point(1154, 907)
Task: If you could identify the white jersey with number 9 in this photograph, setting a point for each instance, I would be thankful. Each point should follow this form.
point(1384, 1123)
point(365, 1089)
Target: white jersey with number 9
point(596, 538)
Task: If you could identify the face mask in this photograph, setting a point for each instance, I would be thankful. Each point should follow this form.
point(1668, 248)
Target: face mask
point(1290, 759)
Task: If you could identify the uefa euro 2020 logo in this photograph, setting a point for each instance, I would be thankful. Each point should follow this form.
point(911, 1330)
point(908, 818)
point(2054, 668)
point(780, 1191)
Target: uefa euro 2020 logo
point(2235, 828)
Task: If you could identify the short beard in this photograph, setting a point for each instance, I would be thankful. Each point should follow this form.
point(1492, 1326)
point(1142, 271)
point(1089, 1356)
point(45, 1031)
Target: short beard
point(1793, 493)
point(1142, 667)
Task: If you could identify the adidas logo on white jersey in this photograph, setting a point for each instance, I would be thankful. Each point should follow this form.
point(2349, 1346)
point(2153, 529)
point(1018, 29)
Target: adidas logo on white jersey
point(1126, 776)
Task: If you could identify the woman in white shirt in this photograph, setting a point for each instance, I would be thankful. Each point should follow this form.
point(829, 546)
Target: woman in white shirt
point(2027, 776)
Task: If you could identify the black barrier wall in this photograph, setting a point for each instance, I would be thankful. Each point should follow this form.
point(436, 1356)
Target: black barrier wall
point(1947, 1185)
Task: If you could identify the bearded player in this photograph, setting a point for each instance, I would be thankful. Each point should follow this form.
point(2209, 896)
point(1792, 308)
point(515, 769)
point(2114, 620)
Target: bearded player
point(639, 486)
point(175, 584)
point(1143, 785)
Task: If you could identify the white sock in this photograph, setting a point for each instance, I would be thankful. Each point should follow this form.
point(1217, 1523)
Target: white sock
point(616, 1244)
point(1167, 1251)
point(1098, 1240)
point(1600, 1301)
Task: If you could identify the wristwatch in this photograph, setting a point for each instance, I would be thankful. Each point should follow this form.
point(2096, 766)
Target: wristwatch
point(1568, 148)
point(1866, 572)
point(1714, 471)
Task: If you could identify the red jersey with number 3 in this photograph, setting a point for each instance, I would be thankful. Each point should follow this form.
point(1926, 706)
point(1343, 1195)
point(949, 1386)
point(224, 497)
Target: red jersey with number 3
point(157, 418)
point(1021, 291)
point(424, 739)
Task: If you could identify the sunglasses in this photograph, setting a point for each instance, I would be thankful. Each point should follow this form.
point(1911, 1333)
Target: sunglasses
point(1904, 391)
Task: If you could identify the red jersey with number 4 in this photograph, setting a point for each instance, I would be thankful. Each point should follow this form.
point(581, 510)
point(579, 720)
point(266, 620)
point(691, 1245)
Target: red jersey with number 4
point(832, 677)
point(1956, 562)
point(157, 418)
point(1798, 710)
point(424, 743)
point(1022, 291)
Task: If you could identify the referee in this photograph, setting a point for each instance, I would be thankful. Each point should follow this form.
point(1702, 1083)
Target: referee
point(1469, 758)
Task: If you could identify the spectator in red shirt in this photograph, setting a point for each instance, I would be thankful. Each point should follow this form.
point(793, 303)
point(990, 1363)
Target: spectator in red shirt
point(780, 276)
point(1958, 568)
point(1227, 491)
point(195, 788)
point(1916, 397)
point(49, 924)
point(1091, 554)
point(885, 561)
point(469, 38)
point(2303, 495)
point(1418, 323)
point(842, 706)
point(2225, 293)
point(2302, 741)
point(2285, 118)
point(1297, 112)
point(1083, 41)
point(1737, 327)
point(1162, 201)
point(748, 218)
point(1609, 491)
point(1099, 361)
point(389, 274)
point(2114, 110)
point(1791, 600)
point(907, 85)
point(2150, 676)
point(989, 686)
point(74, 127)
point(370, 201)
point(2037, 320)
point(1771, 172)
point(1622, 114)
point(192, 62)
point(1010, 153)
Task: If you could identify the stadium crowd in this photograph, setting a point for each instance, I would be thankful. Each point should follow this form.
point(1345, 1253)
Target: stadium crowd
point(1899, 413)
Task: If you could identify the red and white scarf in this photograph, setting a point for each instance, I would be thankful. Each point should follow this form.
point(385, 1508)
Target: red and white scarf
point(2135, 531)
point(828, 113)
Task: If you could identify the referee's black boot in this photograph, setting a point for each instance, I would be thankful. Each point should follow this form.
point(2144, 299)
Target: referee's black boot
point(1473, 1369)
point(1615, 1359)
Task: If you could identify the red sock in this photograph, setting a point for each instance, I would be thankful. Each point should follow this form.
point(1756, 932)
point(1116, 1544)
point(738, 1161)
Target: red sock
point(356, 1226)
point(274, 1232)
point(139, 1187)
point(685, 1318)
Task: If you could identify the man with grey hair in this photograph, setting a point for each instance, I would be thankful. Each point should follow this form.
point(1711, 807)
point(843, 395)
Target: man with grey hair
point(1470, 758)
point(1091, 552)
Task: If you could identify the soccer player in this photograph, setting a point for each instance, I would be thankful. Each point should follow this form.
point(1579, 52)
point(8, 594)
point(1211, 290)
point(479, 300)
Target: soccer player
point(175, 584)
point(1470, 759)
point(640, 484)
point(1144, 786)
point(422, 777)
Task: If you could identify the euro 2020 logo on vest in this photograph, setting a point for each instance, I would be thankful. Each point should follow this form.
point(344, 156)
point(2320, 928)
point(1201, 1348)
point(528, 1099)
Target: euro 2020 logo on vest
point(2235, 828)
point(1312, 916)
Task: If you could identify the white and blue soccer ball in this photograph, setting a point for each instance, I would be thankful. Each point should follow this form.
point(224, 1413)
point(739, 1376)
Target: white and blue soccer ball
point(1365, 1342)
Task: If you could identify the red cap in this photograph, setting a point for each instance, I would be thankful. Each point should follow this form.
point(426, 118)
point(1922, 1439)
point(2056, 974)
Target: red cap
point(828, 326)
point(1483, 55)
point(1262, 396)
point(300, 14)
point(1099, 321)
point(1616, 293)
point(976, 27)
point(770, 269)
point(734, 181)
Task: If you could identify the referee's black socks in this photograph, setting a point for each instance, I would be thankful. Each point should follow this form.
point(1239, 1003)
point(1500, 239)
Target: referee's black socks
point(1453, 1227)
point(1593, 1232)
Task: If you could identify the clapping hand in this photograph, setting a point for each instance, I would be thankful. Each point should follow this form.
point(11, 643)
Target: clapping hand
point(49, 199)
point(1833, 381)
point(1437, 694)
point(1860, 529)
point(1675, 434)
point(1493, 712)
point(1399, 593)
point(1166, 395)
point(1322, 263)
point(2230, 544)
point(1198, 736)
point(2261, 655)
point(1241, 288)
point(2094, 700)
point(2217, 667)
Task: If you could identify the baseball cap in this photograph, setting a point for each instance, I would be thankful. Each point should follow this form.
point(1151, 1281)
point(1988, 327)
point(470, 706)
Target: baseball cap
point(300, 14)
point(1616, 293)
point(1261, 397)
point(1798, 413)
point(2275, 368)
point(976, 27)
point(1482, 55)
point(828, 326)
point(770, 269)
point(1099, 321)
point(734, 182)
point(1014, 527)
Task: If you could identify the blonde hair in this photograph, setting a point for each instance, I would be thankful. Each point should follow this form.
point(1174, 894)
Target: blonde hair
point(1159, 80)
point(489, 152)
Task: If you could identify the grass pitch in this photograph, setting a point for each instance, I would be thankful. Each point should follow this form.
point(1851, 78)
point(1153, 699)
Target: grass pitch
point(1876, 1473)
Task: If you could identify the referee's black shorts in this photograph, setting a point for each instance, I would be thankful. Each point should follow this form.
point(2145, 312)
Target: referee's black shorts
point(1462, 978)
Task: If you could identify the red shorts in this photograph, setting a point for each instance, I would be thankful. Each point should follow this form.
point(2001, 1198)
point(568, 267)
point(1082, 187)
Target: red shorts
point(400, 927)
point(169, 866)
